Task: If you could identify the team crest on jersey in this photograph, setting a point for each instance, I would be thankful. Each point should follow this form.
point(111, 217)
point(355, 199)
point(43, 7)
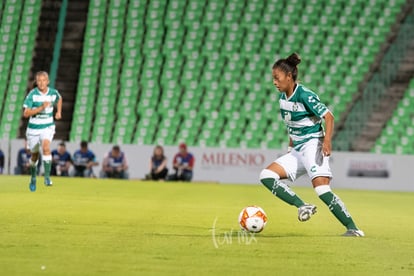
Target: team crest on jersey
point(295, 106)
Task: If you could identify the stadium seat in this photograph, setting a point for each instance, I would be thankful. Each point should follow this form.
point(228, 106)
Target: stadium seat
point(170, 60)
point(15, 55)
point(398, 134)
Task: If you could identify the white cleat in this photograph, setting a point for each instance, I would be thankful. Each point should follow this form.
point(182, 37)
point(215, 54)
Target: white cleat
point(306, 211)
point(353, 233)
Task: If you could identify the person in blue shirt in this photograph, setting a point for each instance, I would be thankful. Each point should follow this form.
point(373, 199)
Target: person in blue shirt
point(83, 161)
point(61, 161)
point(183, 165)
point(158, 165)
point(23, 161)
point(115, 164)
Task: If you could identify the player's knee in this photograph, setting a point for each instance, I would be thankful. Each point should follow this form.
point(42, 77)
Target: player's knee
point(266, 173)
point(46, 150)
point(35, 156)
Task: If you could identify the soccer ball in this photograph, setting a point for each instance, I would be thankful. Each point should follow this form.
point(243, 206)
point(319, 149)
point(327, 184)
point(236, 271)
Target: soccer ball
point(252, 219)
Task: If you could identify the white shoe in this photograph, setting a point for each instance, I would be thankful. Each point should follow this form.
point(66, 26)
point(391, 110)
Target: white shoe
point(353, 233)
point(306, 211)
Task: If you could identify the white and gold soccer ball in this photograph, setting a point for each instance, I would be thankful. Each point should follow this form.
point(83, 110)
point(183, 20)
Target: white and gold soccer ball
point(253, 219)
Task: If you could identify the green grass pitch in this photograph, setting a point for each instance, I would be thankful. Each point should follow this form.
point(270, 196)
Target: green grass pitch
point(109, 227)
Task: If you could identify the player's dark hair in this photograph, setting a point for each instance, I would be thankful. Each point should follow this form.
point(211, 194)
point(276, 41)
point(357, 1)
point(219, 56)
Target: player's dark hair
point(62, 144)
point(162, 156)
point(289, 65)
point(84, 144)
point(116, 148)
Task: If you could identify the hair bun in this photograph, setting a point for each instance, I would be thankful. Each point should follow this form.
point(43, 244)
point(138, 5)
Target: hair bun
point(293, 59)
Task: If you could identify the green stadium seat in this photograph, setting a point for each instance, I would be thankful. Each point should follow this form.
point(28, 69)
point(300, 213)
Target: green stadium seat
point(15, 56)
point(216, 55)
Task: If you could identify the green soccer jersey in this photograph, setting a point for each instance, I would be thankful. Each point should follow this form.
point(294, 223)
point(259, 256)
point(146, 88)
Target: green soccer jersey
point(302, 113)
point(35, 99)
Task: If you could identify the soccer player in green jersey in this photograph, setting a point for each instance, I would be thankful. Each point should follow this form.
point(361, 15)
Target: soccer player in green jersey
point(38, 107)
point(309, 146)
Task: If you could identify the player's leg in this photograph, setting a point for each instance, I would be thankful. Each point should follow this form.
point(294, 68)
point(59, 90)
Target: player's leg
point(79, 171)
point(187, 176)
point(163, 174)
point(153, 175)
point(46, 138)
point(54, 170)
point(335, 205)
point(270, 177)
point(319, 171)
point(87, 172)
point(47, 161)
point(125, 175)
point(172, 177)
point(33, 145)
point(33, 169)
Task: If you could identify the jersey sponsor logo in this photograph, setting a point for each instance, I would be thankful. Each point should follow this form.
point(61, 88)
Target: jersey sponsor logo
point(42, 116)
point(44, 98)
point(292, 106)
point(297, 132)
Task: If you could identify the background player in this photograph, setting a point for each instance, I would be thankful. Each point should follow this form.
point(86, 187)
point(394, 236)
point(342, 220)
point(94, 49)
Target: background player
point(158, 165)
point(309, 147)
point(115, 164)
point(61, 161)
point(38, 107)
point(183, 164)
point(83, 161)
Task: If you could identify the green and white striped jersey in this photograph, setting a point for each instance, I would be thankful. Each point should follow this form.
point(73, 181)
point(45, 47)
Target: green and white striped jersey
point(302, 113)
point(34, 99)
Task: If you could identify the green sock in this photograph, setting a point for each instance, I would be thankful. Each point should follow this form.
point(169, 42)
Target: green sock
point(33, 170)
point(47, 166)
point(337, 207)
point(282, 191)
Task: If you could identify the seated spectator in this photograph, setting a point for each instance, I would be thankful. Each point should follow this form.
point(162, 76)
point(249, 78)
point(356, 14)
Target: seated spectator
point(183, 164)
point(115, 164)
point(158, 165)
point(1, 161)
point(23, 161)
point(61, 161)
point(83, 161)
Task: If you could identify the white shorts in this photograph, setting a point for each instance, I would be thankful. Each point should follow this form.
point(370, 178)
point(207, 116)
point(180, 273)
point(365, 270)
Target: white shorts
point(36, 136)
point(309, 159)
